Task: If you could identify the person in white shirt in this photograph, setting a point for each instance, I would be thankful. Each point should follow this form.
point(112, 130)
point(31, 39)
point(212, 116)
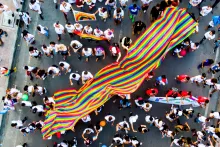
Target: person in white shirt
point(110, 118)
point(39, 109)
point(29, 38)
point(109, 34)
point(65, 66)
point(198, 79)
point(145, 5)
point(29, 70)
point(204, 11)
point(99, 52)
point(102, 13)
point(35, 6)
point(123, 125)
point(65, 8)
point(194, 46)
point(90, 3)
point(76, 77)
point(40, 90)
point(117, 140)
point(87, 131)
point(24, 145)
point(210, 35)
point(59, 29)
point(98, 32)
point(87, 52)
point(215, 115)
point(54, 71)
point(4, 9)
point(18, 123)
point(70, 28)
point(86, 76)
point(47, 51)
point(33, 52)
point(86, 119)
point(26, 18)
point(123, 3)
point(76, 46)
point(64, 51)
point(28, 103)
point(29, 90)
point(87, 29)
point(118, 15)
point(194, 3)
point(147, 107)
point(202, 119)
point(133, 119)
point(78, 27)
point(43, 30)
point(53, 46)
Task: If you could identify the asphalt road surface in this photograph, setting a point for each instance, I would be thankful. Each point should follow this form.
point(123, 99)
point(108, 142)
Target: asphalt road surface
point(171, 67)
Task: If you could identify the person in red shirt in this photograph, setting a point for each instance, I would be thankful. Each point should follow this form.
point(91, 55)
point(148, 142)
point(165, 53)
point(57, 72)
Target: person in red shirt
point(115, 51)
point(203, 101)
point(173, 92)
point(152, 92)
point(149, 75)
point(185, 93)
point(182, 78)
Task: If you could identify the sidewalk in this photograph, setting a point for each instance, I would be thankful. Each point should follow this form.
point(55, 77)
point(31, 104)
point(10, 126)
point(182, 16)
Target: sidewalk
point(7, 49)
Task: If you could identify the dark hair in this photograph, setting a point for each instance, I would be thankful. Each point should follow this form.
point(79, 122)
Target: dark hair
point(197, 44)
point(26, 67)
point(206, 101)
point(135, 5)
point(164, 76)
point(45, 98)
point(13, 124)
point(188, 78)
point(118, 10)
point(34, 110)
point(74, 75)
point(25, 87)
point(203, 75)
point(85, 72)
point(52, 43)
point(1, 4)
point(213, 31)
point(23, 104)
point(31, 48)
point(38, 28)
point(61, 64)
point(57, 22)
point(50, 72)
point(44, 46)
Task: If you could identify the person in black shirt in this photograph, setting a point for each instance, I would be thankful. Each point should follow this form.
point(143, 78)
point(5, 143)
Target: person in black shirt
point(154, 13)
point(138, 27)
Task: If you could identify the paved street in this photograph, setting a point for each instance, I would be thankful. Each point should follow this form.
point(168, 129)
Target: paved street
point(171, 67)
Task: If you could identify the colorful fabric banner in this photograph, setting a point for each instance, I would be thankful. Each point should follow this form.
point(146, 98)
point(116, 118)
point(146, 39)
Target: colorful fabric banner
point(82, 16)
point(125, 77)
point(89, 36)
point(175, 101)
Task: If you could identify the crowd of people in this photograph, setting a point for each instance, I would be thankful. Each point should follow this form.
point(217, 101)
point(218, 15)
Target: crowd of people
point(200, 138)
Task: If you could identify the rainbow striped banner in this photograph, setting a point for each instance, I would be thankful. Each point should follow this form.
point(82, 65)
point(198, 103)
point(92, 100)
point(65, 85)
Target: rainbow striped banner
point(82, 16)
point(124, 77)
point(89, 36)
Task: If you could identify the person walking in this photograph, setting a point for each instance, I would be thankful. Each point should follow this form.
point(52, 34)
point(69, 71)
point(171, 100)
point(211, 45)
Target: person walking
point(2, 32)
point(204, 11)
point(43, 30)
point(54, 71)
point(86, 76)
point(70, 28)
point(103, 13)
point(145, 5)
point(133, 11)
point(76, 46)
point(138, 26)
point(155, 13)
point(33, 52)
point(65, 66)
point(65, 8)
point(217, 44)
point(161, 80)
point(47, 51)
point(35, 6)
point(109, 34)
point(23, 145)
point(29, 38)
point(59, 29)
point(125, 42)
point(115, 51)
point(25, 18)
point(118, 15)
point(63, 50)
point(207, 62)
point(210, 35)
point(87, 52)
point(182, 78)
point(99, 52)
point(29, 71)
point(18, 123)
point(111, 4)
point(76, 77)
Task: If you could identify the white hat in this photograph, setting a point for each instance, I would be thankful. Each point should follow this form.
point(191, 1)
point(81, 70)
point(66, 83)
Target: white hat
point(180, 113)
point(114, 51)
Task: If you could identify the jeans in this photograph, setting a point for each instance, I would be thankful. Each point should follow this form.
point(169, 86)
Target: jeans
point(46, 33)
point(109, 9)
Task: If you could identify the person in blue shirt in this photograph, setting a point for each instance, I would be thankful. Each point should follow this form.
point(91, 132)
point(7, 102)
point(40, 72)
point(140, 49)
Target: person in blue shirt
point(217, 44)
point(133, 11)
point(214, 22)
point(207, 62)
